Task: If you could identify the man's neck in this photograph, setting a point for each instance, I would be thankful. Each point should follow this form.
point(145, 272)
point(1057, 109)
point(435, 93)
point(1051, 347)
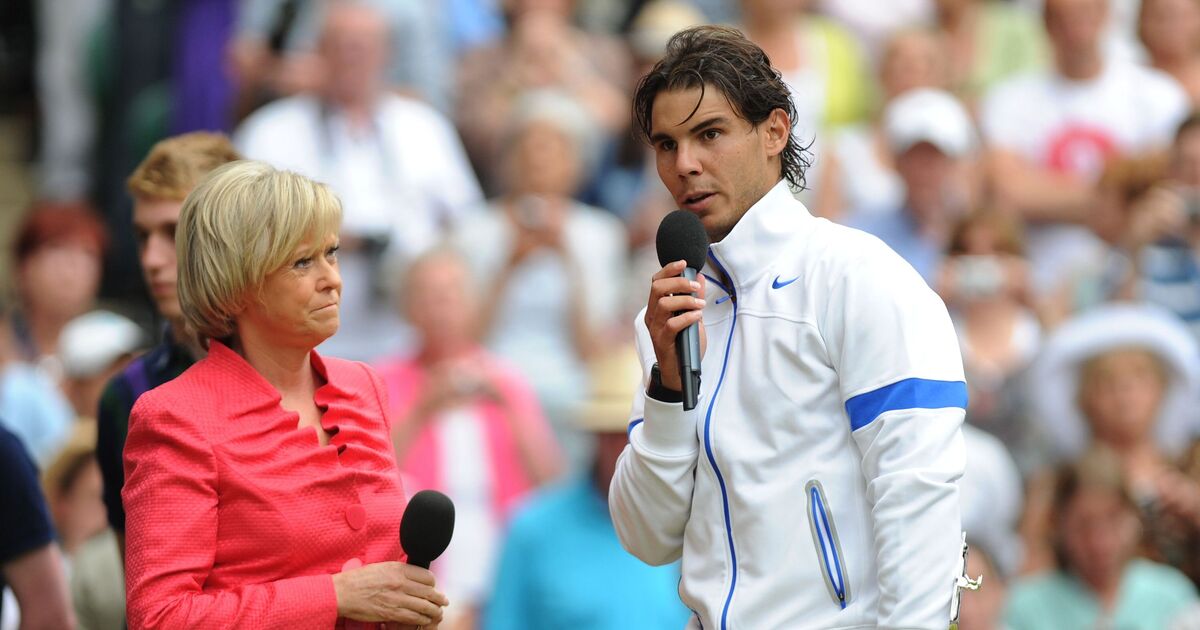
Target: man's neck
point(1081, 66)
point(358, 110)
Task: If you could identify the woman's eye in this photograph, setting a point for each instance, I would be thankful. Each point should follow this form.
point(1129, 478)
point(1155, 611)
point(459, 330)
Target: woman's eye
point(303, 262)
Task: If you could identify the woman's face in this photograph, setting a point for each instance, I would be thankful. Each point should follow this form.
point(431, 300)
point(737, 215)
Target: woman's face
point(1098, 534)
point(297, 305)
point(438, 300)
point(1120, 393)
point(545, 162)
point(60, 280)
point(1170, 29)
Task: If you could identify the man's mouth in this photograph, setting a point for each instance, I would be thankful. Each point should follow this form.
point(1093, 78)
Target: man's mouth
point(695, 198)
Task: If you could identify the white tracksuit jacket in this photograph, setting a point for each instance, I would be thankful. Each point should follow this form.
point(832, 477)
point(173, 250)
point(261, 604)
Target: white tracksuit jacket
point(815, 483)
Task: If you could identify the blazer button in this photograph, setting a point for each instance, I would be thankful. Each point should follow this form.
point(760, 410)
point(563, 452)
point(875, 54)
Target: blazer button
point(356, 516)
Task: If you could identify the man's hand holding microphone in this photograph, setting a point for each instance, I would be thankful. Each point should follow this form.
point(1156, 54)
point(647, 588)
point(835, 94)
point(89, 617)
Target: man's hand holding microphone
point(674, 309)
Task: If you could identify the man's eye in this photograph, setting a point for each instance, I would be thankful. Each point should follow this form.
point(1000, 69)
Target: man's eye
point(711, 134)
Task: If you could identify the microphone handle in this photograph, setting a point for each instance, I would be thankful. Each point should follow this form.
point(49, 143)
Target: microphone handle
point(687, 347)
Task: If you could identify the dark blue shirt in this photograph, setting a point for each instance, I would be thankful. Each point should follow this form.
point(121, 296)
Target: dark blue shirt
point(24, 520)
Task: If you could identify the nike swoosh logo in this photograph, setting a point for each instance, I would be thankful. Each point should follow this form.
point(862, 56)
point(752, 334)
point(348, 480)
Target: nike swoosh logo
point(776, 284)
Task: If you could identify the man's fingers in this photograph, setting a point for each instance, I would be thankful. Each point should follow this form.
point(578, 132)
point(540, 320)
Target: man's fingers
point(681, 321)
point(672, 269)
point(674, 285)
point(673, 303)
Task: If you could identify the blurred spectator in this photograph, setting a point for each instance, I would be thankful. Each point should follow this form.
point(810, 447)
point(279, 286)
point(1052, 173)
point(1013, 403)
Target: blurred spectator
point(627, 179)
point(30, 562)
point(1051, 132)
point(158, 187)
point(66, 32)
point(932, 142)
point(988, 41)
point(1170, 31)
point(1125, 377)
point(985, 284)
point(94, 348)
point(991, 500)
point(529, 256)
point(31, 404)
point(819, 60)
point(1108, 276)
point(1162, 231)
point(463, 423)
point(874, 21)
point(74, 491)
point(562, 564)
point(542, 50)
point(1098, 581)
point(59, 254)
point(913, 58)
point(984, 609)
point(395, 163)
point(276, 49)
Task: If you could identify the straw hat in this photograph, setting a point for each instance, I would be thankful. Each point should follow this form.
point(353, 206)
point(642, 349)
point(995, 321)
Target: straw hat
point(615, 377)
point(1054, 376)
point(80, 444)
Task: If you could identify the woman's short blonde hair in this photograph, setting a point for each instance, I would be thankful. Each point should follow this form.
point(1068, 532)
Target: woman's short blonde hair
point(241, 223)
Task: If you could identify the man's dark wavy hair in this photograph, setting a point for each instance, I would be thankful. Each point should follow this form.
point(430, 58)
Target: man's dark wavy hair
point(723, 58)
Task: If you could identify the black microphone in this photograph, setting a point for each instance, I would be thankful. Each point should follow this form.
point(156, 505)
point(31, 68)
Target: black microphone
point(681, 236)
point(426, 527)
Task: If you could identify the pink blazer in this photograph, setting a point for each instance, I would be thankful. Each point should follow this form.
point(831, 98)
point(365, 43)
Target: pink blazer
point(237, 518)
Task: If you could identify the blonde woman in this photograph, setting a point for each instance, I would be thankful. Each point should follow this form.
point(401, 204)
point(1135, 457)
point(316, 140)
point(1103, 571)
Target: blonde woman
point(261, 489)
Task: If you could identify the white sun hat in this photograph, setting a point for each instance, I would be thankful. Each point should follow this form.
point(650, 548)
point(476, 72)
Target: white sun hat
point(90, 343)
point(929, 115)
point(1054, 376)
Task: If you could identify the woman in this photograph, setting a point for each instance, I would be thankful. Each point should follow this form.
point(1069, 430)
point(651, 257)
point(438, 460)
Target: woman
point(261, 489)
point(465, 423)
point(1124, 377)
point(528, 252)
point(1098, 582)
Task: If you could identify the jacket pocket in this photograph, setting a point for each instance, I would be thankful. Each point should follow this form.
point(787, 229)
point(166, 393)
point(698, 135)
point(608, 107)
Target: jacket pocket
point(827, 544)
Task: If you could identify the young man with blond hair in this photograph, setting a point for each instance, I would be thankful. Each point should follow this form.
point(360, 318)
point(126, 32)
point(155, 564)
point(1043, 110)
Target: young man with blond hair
point(158, 187)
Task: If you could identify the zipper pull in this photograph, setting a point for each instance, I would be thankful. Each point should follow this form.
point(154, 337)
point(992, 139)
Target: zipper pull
point(962, 582)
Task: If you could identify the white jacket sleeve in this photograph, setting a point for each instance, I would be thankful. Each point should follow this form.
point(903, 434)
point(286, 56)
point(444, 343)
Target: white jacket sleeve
point(650, 498)
point(901, 378)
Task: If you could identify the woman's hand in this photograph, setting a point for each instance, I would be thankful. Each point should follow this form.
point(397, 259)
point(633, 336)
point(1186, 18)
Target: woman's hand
point(389, 592)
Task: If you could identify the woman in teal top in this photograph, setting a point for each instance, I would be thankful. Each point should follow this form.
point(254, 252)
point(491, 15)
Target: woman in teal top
point(1099, 582)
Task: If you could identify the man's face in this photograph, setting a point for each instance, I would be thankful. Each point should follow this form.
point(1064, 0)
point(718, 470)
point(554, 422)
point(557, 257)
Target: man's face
point(355, 47)
point(154, 225)
point(1076, 26)
point(713, 161)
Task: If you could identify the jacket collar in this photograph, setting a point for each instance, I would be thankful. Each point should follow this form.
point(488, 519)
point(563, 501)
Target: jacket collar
point(758, 239)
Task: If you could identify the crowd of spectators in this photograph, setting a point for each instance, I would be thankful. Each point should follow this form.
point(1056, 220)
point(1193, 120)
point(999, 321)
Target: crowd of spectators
point(1036, 161)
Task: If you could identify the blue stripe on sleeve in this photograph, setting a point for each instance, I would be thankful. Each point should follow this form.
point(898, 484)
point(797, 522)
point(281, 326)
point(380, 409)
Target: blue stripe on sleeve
point(911, 393)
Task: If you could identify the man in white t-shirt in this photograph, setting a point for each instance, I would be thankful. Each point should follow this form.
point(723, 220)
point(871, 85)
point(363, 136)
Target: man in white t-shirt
point(1052, 131)
point(396, 163)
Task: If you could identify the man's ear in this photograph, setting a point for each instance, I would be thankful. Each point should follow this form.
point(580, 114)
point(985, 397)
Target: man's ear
point(776, 132)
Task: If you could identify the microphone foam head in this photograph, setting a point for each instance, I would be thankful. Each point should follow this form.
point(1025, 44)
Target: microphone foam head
point(426, 527)
point(681, 236)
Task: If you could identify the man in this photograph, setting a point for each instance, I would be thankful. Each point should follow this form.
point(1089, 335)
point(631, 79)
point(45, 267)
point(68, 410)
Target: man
point(158, 186)
point(30, 561)
point(396, 164)
point(1052, 131)
point(814, 485)
point(932, 140)
point(561, 544)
